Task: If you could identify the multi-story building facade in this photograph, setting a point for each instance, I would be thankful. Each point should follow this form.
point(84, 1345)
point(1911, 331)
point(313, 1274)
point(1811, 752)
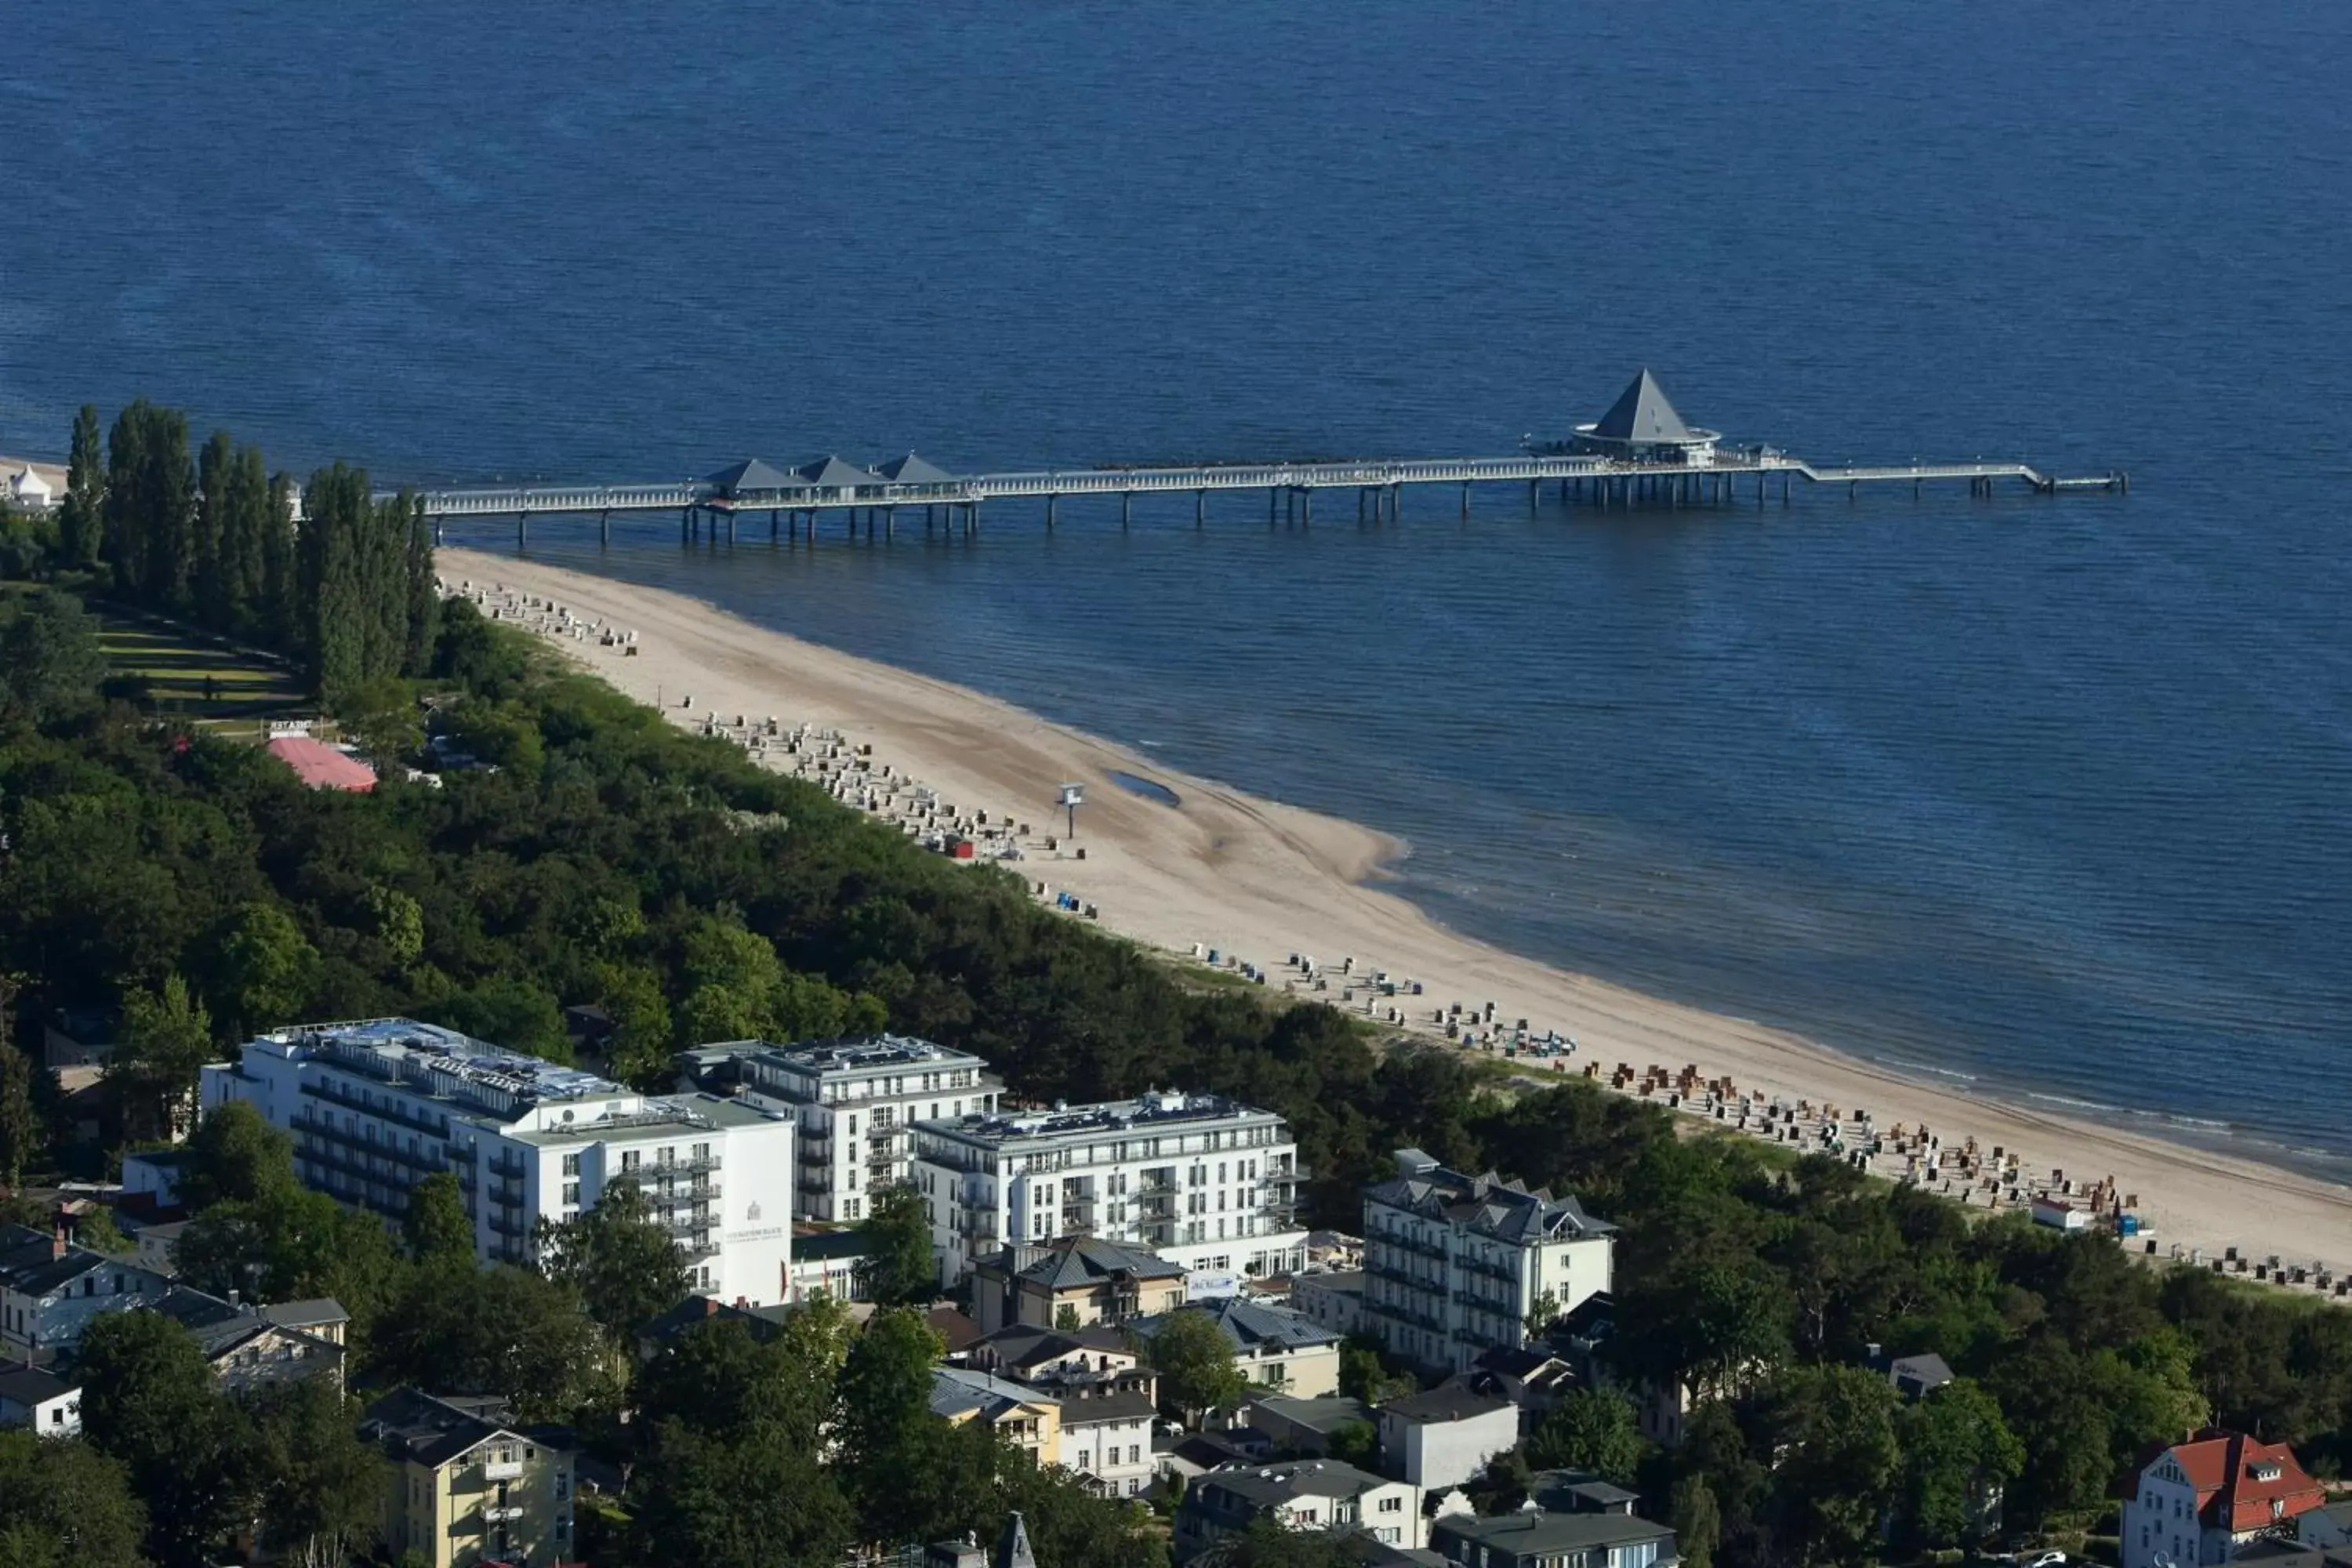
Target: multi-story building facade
point(376, 1107)
point(854, 1102)
point(1207, 1183)
point(464, 1486)
point(1455, 1265)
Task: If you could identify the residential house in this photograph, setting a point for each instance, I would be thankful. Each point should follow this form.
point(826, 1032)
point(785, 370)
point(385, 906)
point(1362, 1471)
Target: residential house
point(468, 1487)
point(2325, 1527)
point(1334, 1301)
point(1578, 1491)
point(1912, 1376)
point(1456, 1265)
point(1273, 1348)
point(1444, 1437)
point(247, 1345)
point(76, 1043)
point(39, 1401)
point(1106, 1430)
point(1019, 1415)
point(1297, 1425)
point(2195, 1504)
point(51, 1289)
point(156, 1243)
point(833, 1261)
point(1532, 1538)
point(1074, 1280)
point(1532, 1377)
point(1297, 1494)
point(1207, 1182)
point(1029, 1355)
point(375, 1107)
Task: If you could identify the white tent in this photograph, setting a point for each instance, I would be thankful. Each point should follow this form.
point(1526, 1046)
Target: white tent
point(26, 488)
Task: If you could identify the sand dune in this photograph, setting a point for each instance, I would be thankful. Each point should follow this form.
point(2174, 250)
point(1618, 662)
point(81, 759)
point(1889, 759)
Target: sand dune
point(1262, 880)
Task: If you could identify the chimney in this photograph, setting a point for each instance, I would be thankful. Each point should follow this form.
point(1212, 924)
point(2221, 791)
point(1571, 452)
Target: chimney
point(58, 1236)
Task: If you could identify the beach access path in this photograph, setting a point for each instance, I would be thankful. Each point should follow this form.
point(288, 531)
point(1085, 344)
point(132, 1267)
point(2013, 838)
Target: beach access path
point(1262, 880)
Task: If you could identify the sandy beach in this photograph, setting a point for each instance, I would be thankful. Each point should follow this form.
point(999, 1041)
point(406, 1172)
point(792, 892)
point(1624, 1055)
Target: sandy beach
point(1262, 881)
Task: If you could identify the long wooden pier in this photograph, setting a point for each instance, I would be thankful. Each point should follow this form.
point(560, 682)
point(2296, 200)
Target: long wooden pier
point(1639, 454)
point(1761, 476)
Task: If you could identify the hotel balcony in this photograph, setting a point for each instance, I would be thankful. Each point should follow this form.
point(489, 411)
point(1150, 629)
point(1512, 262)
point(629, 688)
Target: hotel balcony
point(404, 1115)
point(501, 1470)
point(1156, 1204)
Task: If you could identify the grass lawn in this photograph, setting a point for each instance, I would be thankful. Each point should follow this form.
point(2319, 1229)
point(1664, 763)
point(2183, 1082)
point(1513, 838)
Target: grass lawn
point(188, 673)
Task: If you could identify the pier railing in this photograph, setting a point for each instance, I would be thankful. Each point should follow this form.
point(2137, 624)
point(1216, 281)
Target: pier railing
point(1604, 475)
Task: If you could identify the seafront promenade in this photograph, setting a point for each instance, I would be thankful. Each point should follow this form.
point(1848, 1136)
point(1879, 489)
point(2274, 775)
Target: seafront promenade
point(1270, 896)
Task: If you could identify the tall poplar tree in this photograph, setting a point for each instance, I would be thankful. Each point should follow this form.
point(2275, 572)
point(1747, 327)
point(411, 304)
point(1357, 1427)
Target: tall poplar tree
point(124, 519)
point(215, 604)
point(280, 574)
point(81, 521)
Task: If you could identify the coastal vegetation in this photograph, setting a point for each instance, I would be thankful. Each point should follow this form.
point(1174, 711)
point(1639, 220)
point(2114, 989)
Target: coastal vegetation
point(599, 855)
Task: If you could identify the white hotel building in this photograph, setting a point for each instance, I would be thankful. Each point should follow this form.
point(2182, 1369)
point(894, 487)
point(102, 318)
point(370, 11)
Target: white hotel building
point(1207, 1183)
point(856, 1101)
point(377, 1106)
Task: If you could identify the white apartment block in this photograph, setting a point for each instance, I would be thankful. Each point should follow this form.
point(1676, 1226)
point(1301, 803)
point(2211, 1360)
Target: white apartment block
point(375, 1107)
point(854, 1102)
point(1454, 1265)
point(1207, 1183)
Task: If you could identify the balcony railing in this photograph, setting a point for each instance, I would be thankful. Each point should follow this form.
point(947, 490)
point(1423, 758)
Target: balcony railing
point(439, 1126)
point(509, 1222)
point(506, 1196)
point(501, 1470)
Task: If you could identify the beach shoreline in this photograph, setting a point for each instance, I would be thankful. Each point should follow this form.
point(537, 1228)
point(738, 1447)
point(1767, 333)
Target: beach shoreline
point(1262, 881)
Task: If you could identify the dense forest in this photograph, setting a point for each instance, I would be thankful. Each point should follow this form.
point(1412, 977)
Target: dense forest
point(610, 858)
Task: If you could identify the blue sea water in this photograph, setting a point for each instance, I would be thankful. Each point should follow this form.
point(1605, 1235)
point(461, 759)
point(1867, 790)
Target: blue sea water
point(2049, 794)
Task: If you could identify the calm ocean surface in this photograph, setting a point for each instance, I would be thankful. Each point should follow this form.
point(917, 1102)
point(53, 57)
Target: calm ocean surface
point(2049, 795)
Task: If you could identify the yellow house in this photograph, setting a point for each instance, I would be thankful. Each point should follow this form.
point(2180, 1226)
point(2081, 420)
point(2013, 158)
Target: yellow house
point(1071, 1282)
point(1027, 1419)
point(467, 1489)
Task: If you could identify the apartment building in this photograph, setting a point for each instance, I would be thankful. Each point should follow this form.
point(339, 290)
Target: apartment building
point(1208, 1183)
point(464, 1486)
point(375, 1107)
point(1455, 1265)
point(853, 1101)
point(1073, 1279)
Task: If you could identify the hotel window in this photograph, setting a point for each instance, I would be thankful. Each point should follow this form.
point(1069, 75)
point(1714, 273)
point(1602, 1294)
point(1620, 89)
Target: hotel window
point(572, 1193)
point(629, 1159)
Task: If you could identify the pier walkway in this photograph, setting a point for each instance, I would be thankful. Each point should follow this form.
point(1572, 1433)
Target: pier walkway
point(1639, 454)
point(1727, 478)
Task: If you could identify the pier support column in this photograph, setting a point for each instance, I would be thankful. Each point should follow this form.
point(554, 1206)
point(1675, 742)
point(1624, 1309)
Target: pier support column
point(730, 525)
point(772, 522)
point(604, 528)
point(1126, 508)
point(1360, 503)
point(522, 528)
point(1050, 499)
point(1853, 489)
point(1306, 507)
point(1200, 509)
point(889, 524)
point(436, 531)
point(1465, 498)
point(1273, 501)
point(1532, 498)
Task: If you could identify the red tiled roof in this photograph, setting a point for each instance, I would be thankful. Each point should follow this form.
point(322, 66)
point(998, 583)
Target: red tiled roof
point(321, 766)
point(2232, 1491)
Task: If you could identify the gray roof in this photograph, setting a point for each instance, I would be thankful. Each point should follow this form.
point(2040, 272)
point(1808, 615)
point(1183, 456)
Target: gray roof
point(28, 1267)
point(1928, 1371)
point(956, 1390)
point(831, 470)
point(1249, 1325)
point(751, 474)
point(412, 1426)
point(1449, 1401)
point(1263, 1486)
point(1643, 414)
point(1326, 1415)
point(1079, 1260)
point(30, 1385)
point(1488, 1205)
point(1532, 1530)
point(1117, 1405)
point(323, 1311)
point(912, 470)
